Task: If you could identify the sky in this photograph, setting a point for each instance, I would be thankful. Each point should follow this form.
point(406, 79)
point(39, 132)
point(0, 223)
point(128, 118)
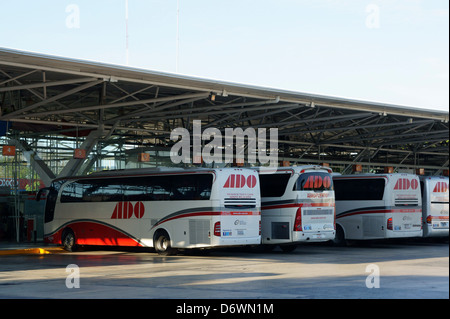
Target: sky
point(389, 51)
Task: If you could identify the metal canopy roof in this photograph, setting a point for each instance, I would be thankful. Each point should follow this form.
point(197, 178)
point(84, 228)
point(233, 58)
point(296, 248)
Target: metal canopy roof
point(47, 94)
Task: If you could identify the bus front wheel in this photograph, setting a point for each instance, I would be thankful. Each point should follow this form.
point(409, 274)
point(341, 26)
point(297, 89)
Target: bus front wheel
point(339, 239)
point(162, 244)
point(69, 240)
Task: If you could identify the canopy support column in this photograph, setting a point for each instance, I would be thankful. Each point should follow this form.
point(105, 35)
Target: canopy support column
point(74, 164)
point(35, 161)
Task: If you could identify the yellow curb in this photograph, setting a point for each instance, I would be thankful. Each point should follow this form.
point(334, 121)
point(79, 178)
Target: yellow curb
point(32, 251)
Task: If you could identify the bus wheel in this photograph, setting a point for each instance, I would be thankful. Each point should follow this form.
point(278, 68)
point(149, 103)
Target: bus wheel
point(162, 244)
point(339, 239)
point(68, 240)
point(288, 248)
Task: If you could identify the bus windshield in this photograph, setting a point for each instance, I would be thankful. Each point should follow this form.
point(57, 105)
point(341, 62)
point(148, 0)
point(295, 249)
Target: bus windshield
point(273, 185)
point(360, 189)
point(314, 181)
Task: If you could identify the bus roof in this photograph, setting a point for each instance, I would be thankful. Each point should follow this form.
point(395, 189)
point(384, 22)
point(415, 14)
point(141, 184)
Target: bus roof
point(423, 177)
point(339, 176)
point(295, 169)
point(143, 172)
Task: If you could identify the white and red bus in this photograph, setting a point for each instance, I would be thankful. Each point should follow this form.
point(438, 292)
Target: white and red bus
point(167, 209)
point(435, 206)
point(377, 206)
point(297, 205)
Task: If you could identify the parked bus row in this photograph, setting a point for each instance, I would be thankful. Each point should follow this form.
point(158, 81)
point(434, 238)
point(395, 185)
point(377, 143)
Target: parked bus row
point(170, 209)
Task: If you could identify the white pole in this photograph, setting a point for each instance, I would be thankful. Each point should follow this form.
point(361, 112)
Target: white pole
point(126, 30)
point(178, 35)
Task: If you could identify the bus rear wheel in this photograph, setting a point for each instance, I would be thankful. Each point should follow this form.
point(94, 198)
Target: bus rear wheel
point(162, 244)
point(68, 240)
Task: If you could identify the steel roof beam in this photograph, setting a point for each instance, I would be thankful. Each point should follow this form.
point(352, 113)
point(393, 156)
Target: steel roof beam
point(17, 114)
point(349, 148)
point(321, 119)
point(329, 128)
point(188, 112)
point(16, 77)
point(107, 106)
point(385, 138)
point(348, 129)
point(279, 109)
point(132, 95)
point(38, 95)
point(377, 132)
point(45, 84)
point(296, 115)
point(435, 137)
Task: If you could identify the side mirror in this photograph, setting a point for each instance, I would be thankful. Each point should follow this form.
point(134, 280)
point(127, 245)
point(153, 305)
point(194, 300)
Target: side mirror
point(39, 193)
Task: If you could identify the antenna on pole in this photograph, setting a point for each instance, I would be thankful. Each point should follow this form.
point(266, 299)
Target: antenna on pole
point(178, 36)
point(126, 31)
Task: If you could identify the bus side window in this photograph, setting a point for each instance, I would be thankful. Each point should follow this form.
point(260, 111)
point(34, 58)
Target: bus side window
point(104, 191)
point(135, 189)
point(204, 187)
point(159, 188)
point(192, 187)
point(72, 193)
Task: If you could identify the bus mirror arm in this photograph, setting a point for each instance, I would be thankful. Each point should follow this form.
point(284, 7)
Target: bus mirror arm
point(39, 193)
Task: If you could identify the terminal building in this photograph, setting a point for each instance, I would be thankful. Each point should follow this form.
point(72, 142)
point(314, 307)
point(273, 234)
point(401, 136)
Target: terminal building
point(63, 117)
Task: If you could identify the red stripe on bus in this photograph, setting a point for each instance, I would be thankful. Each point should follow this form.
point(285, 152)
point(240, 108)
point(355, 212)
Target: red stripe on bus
point(440, 217)
point(381, 211)
point(243, 213)
point(96, 234)
point(297, 205)
point(237, 213)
